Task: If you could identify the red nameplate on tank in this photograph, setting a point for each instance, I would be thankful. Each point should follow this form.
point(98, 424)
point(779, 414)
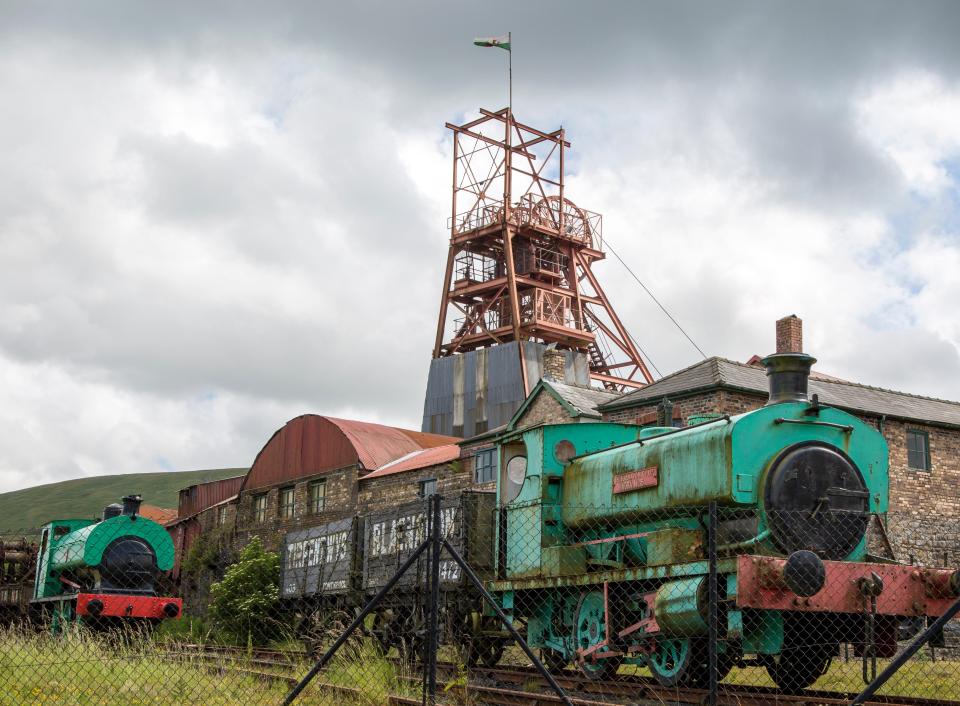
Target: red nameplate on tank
point(636, 480)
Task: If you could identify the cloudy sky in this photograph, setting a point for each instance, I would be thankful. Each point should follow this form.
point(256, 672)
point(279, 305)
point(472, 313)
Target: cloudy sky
point(216, 216)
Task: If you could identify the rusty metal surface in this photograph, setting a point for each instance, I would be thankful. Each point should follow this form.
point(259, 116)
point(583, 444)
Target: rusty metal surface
point(907, 590)
point(201, 496)
point(417, 459)
point(311, 444)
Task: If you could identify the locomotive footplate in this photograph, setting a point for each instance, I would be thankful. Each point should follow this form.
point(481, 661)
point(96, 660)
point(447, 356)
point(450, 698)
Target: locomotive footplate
point(906, 590)
point(118, 605)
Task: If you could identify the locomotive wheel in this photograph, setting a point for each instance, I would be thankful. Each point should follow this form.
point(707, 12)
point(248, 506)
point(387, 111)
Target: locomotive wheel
point(805, 656)
point(590, 630)
point(798, 668)
point(685, 661)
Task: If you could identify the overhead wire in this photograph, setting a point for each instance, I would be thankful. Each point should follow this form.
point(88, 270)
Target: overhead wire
point(656, 301)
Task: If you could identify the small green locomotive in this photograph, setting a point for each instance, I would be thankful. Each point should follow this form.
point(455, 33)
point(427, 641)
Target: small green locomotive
point(602, 541)
point(103, 572)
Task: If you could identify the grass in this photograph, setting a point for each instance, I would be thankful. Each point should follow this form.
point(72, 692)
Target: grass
point(919, 677)
point(85, 669)
point(25, 510)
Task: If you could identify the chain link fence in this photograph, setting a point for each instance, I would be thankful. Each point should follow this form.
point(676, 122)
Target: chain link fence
point(456, 600)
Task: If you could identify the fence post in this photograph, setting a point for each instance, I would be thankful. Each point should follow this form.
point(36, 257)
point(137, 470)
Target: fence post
point(712, 607)
point(434, 605)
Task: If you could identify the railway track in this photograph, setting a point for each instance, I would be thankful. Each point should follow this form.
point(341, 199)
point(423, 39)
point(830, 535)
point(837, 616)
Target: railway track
point(523, 686)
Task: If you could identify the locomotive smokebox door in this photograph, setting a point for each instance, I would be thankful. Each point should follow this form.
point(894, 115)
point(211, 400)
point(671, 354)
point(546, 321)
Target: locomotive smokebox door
point(816, 499)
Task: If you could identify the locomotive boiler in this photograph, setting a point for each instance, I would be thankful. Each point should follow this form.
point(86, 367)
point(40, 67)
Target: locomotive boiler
point(602, 541)
point(104, 572)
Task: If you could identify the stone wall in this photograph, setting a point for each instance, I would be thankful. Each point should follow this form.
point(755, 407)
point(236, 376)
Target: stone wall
point(341, 501)
point(924, 517)
point(544, 409)
point(396, 489)
point(924, 514)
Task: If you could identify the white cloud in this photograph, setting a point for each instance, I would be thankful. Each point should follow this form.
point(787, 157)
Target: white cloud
point(914, 118)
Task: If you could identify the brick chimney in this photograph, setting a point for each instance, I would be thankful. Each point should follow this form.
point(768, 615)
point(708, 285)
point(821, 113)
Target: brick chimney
point(790, 334)
point(554, 365)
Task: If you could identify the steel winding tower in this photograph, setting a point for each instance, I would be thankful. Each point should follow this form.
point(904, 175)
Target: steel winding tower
point(521, 252)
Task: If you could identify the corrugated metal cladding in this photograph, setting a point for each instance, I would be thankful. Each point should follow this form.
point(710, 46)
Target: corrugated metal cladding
point(470, 393)
point(312, 444)
point(199, 497)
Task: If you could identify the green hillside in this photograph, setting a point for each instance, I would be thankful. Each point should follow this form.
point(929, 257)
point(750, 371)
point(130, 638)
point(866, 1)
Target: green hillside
point(23, 510)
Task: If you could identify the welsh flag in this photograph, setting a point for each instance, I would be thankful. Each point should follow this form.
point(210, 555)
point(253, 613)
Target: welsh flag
point(499, 42)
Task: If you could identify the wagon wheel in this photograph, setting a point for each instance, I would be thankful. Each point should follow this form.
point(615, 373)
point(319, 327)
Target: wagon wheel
point(476, 649)
point(589, 632)
point(684, 661)
point(321, 627)
point(383, 629)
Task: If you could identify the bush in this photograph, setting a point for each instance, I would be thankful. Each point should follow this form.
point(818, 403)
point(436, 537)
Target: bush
point(244, 606)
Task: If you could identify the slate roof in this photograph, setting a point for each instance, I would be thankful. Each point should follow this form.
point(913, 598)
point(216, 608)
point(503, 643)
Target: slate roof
point(585, 401)
point(715, 373)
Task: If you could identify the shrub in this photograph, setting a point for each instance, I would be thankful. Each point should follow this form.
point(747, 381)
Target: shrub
point(244, 606)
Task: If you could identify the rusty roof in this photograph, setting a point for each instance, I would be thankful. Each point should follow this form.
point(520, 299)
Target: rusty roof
point(160, 515)
point(377, 445)
point(416, 460)
point(311, 444)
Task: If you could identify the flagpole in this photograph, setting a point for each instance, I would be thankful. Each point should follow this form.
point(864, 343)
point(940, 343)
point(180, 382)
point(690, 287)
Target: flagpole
point(510, 70)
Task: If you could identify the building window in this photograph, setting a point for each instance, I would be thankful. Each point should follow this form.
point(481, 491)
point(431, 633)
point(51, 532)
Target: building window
point(285, 506)
point(260, 508)
point(222, 515)
point(428, 487)
point(484, 466)
point(918, 450)
point(317, 496)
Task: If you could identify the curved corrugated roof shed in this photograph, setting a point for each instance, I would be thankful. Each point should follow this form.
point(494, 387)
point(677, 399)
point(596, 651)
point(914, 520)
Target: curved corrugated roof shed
point(312, 444)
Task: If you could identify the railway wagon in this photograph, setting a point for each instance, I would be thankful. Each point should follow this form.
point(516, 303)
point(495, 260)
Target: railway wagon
point(391, 536)
point(319, 577)
point(602, 553)
point(18, 558)
point(330, 571)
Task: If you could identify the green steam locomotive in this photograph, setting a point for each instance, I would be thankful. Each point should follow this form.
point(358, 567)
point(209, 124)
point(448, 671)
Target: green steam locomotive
point(602, 541)
point(103, 572)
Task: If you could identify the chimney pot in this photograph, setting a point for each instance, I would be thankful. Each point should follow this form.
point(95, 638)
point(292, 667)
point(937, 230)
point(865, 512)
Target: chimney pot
point(790, 334)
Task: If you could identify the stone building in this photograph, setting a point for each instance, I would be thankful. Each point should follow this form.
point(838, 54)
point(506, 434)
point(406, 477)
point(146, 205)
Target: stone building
point(308, 473)
point(923, 435)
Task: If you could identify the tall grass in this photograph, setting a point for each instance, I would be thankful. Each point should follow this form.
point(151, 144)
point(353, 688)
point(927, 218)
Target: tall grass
point(85, 668)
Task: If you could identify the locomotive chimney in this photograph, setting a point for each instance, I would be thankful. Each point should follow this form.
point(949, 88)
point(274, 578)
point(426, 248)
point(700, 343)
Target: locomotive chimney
point(788, 370)
point(787, 376)
point(131, 504)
